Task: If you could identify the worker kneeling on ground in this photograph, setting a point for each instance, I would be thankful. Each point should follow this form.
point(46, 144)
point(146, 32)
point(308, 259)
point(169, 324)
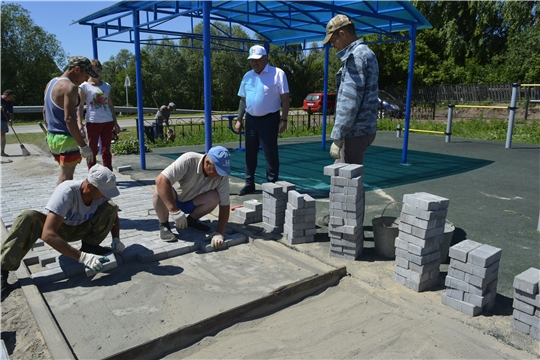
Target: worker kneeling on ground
point(77, 210)
point(194, 184)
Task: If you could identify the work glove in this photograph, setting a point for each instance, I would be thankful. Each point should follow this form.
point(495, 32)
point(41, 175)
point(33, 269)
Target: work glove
point(93, 262)
point(117, 246)
point(179, 219)
point(87, 153)
point(217, 240)
point(335, 149)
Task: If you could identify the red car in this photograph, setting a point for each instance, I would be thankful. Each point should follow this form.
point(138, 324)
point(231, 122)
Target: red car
point(313, 103)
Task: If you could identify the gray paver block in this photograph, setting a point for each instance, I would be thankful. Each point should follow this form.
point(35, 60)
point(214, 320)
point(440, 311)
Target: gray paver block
point(528, 298)
point(48, 276)
point(462, 249)
point(351, 171)
point(535, 333)
point(47, 258)
point(484, 255)
point(524, 307)
point(333, 170)
point(272, 188)
point(148, 255)
point(462, 306)
point(528, 281)
point(526, 318)
point(111, 264)
point(518, 325)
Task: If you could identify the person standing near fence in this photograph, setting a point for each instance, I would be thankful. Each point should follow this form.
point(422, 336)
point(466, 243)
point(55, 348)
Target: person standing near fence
point(100, 115)
point(263, 91)
point(162, 119)
point(355, 122)
point(7, 116)
point(59, 113)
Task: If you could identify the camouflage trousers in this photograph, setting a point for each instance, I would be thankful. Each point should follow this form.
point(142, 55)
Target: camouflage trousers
point(28, 226)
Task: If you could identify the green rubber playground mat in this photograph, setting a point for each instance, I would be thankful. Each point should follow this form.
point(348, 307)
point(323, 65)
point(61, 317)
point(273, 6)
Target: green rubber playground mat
point(303, 164)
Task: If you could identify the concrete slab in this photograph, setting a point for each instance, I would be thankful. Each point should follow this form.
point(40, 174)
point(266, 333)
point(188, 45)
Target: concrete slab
point(136, 303)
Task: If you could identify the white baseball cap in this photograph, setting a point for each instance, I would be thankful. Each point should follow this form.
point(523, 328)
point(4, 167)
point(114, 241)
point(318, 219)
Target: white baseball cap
point(105, 181)
point(256, 52)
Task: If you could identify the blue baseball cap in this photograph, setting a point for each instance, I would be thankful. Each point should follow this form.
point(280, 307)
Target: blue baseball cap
point(221, 159)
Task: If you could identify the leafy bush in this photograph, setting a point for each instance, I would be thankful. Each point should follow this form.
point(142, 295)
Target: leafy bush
point(127, 146)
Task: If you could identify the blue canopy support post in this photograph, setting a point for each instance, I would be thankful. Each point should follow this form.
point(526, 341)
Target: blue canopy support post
point(409, 95)
point(207, 6)
point(325, 88)
point(138, 82)
point(94, 42)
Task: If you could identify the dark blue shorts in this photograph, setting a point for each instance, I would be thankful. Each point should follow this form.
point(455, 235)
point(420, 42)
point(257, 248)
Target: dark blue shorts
point(186, 206)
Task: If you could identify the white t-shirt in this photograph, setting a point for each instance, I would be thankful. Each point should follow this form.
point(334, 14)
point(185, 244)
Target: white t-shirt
point(263, 91)
point(66, 201)
point(97, 102)
point(187, 177)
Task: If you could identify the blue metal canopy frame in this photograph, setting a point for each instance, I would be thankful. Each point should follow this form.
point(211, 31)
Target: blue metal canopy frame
point(281, 23)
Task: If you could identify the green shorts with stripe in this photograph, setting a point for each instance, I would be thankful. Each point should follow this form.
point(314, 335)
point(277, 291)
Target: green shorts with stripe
point(64, 149)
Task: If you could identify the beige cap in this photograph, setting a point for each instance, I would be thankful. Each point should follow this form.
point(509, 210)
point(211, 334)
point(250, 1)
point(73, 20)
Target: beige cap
point(337, 22)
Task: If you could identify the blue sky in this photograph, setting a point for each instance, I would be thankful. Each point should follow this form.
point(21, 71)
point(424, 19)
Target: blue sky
point(55, 17)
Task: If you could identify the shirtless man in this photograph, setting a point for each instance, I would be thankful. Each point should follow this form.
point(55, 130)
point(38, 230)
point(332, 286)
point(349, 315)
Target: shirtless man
point(60, 114)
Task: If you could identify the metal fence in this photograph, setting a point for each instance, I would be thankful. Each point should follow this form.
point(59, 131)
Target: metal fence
point(466, 93)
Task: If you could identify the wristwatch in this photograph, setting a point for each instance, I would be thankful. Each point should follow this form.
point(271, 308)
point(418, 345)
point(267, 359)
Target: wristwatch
point(284, 120)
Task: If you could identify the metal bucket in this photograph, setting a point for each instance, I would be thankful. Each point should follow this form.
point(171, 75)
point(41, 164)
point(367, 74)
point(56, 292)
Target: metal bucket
point(385, 232)
point(444, 247)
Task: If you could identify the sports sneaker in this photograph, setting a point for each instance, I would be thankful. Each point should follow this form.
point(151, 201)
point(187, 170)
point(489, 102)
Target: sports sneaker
point(323, 220)
point(166, 234)
point(197, 225)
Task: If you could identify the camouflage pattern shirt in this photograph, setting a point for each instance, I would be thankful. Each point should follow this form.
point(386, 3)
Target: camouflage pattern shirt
point(357, 84)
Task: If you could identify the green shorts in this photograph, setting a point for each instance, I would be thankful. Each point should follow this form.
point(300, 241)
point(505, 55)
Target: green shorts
point(64, 149)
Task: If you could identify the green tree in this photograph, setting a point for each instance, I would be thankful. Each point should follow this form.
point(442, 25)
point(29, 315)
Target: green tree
point(30, 56)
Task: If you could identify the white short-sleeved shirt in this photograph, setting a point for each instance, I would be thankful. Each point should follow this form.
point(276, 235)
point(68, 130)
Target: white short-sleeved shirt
point(263, 91)
point(187, 177)
point(97, 102)
point(67, 202)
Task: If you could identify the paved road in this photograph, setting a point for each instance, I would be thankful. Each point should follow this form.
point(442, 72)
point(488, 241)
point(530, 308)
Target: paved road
point(26, 129)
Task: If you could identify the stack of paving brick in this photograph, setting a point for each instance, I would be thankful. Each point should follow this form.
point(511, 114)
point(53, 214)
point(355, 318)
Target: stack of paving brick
point(421, 230)
point(299, 225)
point(526, 317)
point(346, 223)
point(274, 205)
point(471, 283)
point(252, 212)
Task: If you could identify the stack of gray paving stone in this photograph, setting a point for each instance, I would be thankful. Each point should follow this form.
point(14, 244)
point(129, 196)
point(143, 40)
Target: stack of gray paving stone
point(252, 212)
point(526, 316)
point(421, 231)
point(274, 205)
point(471, 283)
point(300, 214)
point(346, 223)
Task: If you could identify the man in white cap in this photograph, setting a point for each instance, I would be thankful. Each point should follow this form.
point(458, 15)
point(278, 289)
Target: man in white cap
point(194, 184)
point(77, 210)
point(162, 118)
point(355, 120)
point(263, 92)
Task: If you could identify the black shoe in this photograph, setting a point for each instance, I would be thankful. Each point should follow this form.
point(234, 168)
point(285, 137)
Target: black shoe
point(4, 154)
point(248, 189)
point(95, 249)
point(197, 225)
point(5, 284)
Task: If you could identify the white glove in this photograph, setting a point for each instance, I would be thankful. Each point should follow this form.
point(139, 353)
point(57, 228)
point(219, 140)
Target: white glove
point(335, 149)
point(93, 262)
point(117, 246)
point(179, 219)
point(217, 240)
point(87, 153)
